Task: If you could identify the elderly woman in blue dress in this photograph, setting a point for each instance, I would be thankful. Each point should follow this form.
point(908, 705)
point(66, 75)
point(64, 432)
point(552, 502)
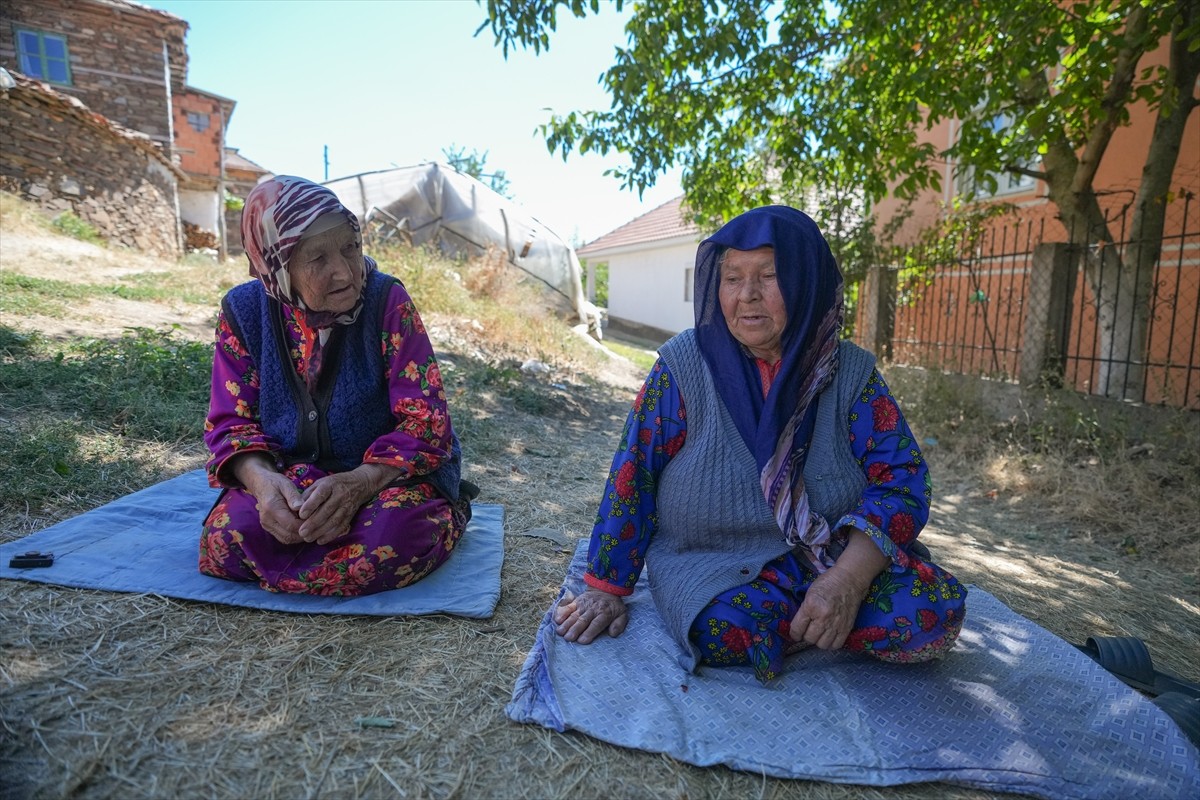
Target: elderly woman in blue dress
point(766, 477)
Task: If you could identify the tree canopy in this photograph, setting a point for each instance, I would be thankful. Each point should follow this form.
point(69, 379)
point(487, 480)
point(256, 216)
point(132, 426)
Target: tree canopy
point(749, 97)
point(747, 94)
point(474, 164)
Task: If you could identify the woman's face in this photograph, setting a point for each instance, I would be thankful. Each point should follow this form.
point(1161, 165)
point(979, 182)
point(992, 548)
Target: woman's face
point(327, 270)
point(752, 303)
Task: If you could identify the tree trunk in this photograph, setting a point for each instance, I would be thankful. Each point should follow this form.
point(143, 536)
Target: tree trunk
point(1121, 294)
point(1122, 282)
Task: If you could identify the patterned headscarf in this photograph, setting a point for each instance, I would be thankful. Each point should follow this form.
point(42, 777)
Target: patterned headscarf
point(778, 428)
point(274, 219)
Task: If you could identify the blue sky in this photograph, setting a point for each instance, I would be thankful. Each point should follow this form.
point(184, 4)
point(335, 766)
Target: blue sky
point(393, 83)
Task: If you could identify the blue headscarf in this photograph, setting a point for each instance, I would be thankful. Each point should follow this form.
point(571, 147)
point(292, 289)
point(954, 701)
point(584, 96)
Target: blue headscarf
point(778, 428)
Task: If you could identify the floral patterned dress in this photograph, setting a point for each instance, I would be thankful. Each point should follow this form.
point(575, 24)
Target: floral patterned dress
point(913, 610)
point(406, 532)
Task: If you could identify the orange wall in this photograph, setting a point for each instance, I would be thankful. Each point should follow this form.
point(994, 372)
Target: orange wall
point(1121, 169)
point(969, 316)
point(199, 151)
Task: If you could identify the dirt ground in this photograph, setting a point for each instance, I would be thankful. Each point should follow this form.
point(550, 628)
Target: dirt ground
point(107, 695)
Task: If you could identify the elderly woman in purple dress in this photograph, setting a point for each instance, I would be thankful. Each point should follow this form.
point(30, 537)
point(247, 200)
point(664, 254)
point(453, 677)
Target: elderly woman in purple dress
point(327, 424)
point(766, 478)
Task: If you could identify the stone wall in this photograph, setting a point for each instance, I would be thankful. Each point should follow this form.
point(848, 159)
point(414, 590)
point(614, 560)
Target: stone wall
point(116, 56)
point(62, 156)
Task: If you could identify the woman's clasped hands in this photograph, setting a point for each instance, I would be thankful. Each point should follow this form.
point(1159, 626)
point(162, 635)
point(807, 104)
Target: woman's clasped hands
point(322, 512)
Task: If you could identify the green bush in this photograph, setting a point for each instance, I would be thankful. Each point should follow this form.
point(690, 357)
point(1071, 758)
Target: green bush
point(71, 225)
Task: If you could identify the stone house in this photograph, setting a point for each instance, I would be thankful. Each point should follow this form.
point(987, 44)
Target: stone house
point(59, 154)
point(121, 69)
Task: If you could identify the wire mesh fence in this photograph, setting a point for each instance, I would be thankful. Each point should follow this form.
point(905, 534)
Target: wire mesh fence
point(1018, 298)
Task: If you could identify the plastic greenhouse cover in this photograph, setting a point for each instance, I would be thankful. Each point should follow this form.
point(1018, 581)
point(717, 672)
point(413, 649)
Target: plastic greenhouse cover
point(435, 204)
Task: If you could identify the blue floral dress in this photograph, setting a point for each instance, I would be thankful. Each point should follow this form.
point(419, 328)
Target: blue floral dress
point(913, 610)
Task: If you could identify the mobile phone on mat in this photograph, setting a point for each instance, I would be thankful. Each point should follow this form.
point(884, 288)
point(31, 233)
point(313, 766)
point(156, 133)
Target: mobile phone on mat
point(31, 559)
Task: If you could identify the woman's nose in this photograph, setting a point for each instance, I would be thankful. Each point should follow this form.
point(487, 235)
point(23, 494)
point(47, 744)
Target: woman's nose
point(342, 267)
point(751, 289)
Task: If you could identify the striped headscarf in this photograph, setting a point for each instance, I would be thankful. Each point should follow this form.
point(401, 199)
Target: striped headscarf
point(274, 219)
point(778, 428)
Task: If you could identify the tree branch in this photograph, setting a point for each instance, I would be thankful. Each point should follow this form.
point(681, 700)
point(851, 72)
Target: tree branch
point(1016, 169)
point(793, 54)
point(1115, 98)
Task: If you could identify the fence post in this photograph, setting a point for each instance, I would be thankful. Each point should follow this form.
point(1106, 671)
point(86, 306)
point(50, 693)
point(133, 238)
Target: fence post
point(1044, 343)
point(877, 306)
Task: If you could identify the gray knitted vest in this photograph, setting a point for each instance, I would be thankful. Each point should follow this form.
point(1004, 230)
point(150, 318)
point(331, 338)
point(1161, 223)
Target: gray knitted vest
point(715, 528)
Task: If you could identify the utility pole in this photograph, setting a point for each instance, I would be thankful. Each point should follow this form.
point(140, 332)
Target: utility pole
point(326, 162)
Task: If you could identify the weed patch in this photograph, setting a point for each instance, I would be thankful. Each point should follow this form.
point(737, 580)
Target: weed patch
point(71, 225)
point(92, 405)
point(22, 295)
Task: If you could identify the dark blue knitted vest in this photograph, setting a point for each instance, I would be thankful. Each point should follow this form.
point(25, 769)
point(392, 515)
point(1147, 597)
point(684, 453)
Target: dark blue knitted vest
point(349, 408)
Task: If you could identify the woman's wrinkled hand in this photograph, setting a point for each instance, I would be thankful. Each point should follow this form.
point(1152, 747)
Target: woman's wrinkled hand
point(583, 618)
point(827, 613)
point(278, 507)
point(329, 506)
point(830, 606)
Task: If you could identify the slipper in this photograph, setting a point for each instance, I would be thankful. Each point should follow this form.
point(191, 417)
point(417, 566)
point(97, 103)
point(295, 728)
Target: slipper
point(1184, 710)
point(1128, 658)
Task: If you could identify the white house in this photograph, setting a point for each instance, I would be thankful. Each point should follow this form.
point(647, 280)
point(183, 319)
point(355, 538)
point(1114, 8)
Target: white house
point(650, 262)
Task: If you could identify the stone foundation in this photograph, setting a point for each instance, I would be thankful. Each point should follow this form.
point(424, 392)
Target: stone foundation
point(60, 155)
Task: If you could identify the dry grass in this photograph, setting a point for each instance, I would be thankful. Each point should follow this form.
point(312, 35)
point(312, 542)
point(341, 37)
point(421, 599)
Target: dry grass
point(110, 695)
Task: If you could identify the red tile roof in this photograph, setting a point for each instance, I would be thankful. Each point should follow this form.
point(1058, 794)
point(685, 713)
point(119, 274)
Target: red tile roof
point(665, 222)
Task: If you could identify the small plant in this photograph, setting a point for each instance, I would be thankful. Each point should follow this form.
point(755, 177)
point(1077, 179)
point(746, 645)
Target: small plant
point(70, 224)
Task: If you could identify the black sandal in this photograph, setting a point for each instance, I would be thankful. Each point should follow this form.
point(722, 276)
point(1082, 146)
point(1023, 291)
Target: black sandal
point(1128, 658)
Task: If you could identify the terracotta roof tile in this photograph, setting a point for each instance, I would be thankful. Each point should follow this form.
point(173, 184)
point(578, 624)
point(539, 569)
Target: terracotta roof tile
point(665, 222)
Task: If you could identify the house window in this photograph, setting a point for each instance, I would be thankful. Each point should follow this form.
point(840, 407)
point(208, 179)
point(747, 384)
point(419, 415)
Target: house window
point(43, 56)
point(198, 121)
point(966, 181)
point(688, 280)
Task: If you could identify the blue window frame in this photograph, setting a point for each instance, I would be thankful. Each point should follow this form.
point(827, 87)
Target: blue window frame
point(43, 56)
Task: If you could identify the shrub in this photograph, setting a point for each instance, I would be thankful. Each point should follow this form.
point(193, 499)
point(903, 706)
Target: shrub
point(70, 224)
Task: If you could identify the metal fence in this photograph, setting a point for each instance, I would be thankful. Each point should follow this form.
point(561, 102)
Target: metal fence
point(1010, 300)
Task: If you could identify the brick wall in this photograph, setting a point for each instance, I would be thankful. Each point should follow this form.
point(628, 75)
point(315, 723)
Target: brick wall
point(199, 133)
point(62, 156)
point(116, 56)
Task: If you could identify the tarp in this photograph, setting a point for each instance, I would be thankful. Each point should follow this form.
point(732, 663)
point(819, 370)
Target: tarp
point(435, 204)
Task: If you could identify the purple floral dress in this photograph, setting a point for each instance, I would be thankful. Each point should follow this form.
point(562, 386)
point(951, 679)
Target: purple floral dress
point(913, 610)
point(400, 536)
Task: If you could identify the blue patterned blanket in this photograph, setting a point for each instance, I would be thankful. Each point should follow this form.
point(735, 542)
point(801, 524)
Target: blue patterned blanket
point(147, 542)
point(1012, 708)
